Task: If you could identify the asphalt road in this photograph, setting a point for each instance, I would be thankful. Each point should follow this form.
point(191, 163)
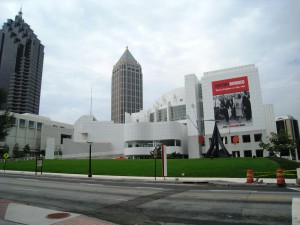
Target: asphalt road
point(136, 202)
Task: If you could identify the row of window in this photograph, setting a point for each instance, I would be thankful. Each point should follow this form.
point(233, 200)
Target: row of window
point(129, 92)
point(30, 124)
point(126, 73)
point(235, 139)
point(150, 143)
point(126, 69)
point(175, 113)
point(125, 66)
point(249, 153)
point(162, 115)
point(122, 81)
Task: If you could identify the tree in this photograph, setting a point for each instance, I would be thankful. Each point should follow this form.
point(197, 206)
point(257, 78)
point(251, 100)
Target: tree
point(16, 152)
point(7, 120)
point(279, 144)
point(26, 149)
point(6, 148)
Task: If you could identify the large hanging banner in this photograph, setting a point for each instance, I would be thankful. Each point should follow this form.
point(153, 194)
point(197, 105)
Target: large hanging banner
point(232, 105)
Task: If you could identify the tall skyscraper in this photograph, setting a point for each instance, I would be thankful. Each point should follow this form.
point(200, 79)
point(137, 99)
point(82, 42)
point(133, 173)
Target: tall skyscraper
point(21, 66)
point(290, 124)
point(126, 87)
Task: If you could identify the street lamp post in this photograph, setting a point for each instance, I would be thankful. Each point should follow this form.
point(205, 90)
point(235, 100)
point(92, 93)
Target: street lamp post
point(198, 127)
point(90, 158)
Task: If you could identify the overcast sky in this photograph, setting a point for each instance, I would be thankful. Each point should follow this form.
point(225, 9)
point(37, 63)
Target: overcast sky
point(83, 39)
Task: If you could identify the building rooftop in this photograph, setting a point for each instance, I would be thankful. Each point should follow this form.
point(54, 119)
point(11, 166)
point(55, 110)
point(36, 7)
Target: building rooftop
point(127, 57)
point(287, 117)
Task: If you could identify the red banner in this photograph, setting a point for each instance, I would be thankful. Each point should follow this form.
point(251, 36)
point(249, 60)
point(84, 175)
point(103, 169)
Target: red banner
point(232, 85)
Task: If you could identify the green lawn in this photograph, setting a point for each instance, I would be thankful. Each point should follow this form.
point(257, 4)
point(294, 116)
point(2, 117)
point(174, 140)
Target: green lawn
point(217, 167)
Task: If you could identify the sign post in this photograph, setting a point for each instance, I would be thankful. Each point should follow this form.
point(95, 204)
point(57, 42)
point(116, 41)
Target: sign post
point(164, 161)
point(154, 153)
point(5, 156)
point(38, 163)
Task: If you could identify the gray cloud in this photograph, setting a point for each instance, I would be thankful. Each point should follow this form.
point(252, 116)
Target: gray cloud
point(84, 40)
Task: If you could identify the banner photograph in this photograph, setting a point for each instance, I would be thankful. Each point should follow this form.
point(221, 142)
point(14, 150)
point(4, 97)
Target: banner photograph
point(232, 105)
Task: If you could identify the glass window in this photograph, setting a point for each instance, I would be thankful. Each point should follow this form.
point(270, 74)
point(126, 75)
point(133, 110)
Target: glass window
point(162, 115)
point(22, 123)
point(151, 117)
point(39, 126)
point(178, 112)
point(235, 153)
point(200, 91)
point(246, 138)
point(225, 140)
point(259, 153)
point(168, 142)
point(247, 153)
point(31, 124)
point(257, 137)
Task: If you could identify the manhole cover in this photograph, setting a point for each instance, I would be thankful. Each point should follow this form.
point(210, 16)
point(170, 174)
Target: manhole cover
point(58, 215)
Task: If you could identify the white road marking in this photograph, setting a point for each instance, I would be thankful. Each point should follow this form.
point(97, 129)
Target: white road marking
point(150, 188)
point(116, 199)
point(27, 179)
point(296, 211)
point(295, 189)
point(91, 184)
point(233, 191)
point(26, 189)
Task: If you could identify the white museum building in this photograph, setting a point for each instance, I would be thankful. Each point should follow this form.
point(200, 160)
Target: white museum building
point(230, 98)
point(36, 131)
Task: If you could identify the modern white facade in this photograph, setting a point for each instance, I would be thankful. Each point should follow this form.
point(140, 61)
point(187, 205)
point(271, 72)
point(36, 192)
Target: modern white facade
point(180, 116)
point(243, 79)
point(135, 139)
point(34, 130)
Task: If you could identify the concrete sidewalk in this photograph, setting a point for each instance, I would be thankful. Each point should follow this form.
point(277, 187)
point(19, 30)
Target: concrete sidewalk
point(212, 180)
point(12, 213)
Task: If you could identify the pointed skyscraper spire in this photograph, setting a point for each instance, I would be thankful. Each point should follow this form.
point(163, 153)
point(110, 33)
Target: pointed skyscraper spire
point(127, 57)
point(20, 12)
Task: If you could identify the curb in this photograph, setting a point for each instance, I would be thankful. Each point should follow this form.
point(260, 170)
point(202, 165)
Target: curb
point(174, 180)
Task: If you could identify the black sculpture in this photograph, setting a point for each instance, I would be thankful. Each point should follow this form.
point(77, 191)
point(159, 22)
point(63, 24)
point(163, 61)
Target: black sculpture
point(216, 142)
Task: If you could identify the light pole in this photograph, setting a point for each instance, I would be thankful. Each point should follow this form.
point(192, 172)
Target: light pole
point(199, 129)
point(90, 158)
point(197, 126)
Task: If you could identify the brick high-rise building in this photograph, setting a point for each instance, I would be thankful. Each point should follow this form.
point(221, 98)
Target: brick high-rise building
point(126, 87)
point(21, 66)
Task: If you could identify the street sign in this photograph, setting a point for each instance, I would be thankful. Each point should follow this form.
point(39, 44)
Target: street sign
point(39, 162)
point(5, 155)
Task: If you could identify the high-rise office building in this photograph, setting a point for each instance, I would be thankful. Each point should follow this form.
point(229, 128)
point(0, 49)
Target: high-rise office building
point(126, 87)
point(290, 124)
point(21, 66)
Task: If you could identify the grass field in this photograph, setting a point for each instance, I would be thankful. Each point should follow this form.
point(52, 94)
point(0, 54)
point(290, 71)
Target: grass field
point(217, 167)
